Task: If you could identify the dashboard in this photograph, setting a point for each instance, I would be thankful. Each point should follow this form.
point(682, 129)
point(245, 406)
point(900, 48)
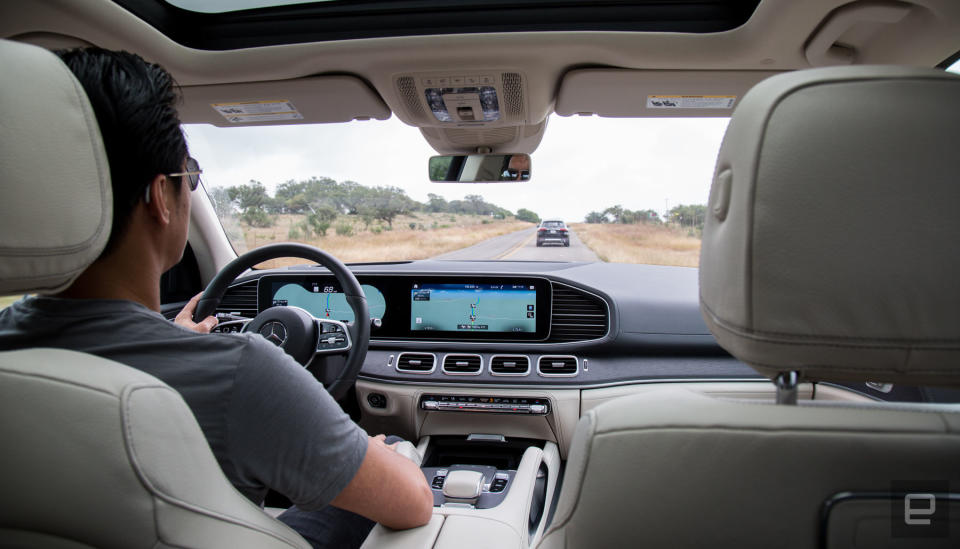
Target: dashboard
point(511, 324)
point(596, 328)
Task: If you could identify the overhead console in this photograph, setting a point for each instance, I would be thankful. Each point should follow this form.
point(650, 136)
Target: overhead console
point(436, 308)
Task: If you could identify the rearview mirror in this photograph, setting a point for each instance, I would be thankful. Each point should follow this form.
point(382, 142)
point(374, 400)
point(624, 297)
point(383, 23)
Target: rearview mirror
point(479, 168)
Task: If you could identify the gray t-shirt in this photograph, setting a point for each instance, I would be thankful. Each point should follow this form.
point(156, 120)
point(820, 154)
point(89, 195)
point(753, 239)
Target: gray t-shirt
point(269, 423)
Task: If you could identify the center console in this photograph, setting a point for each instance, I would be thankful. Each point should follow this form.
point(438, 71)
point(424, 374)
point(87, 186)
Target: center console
point(489, 491)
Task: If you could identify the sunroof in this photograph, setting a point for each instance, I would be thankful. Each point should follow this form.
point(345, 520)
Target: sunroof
point(234, 24)
point(224, 6)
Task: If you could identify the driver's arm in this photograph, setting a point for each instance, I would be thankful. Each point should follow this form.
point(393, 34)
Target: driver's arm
point(388, 488)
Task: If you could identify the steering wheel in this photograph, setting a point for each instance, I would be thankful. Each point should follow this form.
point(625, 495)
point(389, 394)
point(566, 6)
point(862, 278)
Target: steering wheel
point(295, 330)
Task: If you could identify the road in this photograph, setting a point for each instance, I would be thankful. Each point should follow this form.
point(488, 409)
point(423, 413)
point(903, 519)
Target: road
point(522, 246)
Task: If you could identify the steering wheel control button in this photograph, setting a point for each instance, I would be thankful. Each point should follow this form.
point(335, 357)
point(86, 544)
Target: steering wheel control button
point(376, 400)
point(473, 403)
point(333, 337)
point(274, 332)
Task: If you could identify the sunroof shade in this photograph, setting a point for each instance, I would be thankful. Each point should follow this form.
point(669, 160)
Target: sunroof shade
point(233, 24)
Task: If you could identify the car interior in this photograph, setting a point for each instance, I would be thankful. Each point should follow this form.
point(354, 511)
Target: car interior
point(799, 389)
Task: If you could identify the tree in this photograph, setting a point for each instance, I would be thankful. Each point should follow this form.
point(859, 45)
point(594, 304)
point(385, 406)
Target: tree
point(596, 217)
point(320, 219)
point(693, 215)
point(385, 204)
point(615, 213)
point(252, 200)
point(524, 214)
point(436, 203)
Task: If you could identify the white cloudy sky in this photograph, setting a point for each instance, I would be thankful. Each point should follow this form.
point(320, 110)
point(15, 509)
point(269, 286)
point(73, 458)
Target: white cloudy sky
point(582, 164)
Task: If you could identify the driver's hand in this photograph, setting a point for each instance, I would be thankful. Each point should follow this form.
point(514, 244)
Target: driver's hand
point(185, 318)
point(383, 440)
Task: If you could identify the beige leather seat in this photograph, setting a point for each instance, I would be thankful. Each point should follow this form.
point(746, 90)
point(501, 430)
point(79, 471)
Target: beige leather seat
point(829, 254)
point(94, 454)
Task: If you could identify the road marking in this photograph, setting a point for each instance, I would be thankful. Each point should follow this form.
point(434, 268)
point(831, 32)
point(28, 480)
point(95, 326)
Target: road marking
point(514, 250)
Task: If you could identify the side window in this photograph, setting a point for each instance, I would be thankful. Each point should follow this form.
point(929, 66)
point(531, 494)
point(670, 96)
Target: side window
point(7, 300)
point(182, 281)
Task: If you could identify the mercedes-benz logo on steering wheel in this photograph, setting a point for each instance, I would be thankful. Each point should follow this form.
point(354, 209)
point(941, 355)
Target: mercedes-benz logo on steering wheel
point(275, 332)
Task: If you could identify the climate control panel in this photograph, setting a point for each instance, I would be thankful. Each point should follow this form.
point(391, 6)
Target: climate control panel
point(536, 406)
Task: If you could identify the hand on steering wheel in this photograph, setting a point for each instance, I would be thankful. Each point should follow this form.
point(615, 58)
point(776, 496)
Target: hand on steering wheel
point(296, 331)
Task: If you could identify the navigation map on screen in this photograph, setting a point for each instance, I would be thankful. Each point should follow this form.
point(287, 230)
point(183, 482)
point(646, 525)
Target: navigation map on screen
point(473, 307)
point(325, 302)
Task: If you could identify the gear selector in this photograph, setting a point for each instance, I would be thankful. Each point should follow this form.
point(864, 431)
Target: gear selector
point(463, 486)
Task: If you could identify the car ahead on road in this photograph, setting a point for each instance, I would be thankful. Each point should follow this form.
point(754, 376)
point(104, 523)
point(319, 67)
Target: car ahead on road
point(520, 369)
point(553, 231)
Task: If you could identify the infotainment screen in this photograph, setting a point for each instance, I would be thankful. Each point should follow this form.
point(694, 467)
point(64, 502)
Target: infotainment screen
point(471, 308)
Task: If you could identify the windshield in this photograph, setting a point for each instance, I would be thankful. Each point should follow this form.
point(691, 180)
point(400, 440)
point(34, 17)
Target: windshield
point(625, 190)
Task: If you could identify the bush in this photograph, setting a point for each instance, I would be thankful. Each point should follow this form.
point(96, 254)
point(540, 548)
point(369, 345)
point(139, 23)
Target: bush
point(485, 222)
point(434, 225)
point(453, 218)
point(294, 233)
point(413, 225)
point(376, 230)
point(524, 214)
point(344, 229)
point(421, 227)
point(256, 217)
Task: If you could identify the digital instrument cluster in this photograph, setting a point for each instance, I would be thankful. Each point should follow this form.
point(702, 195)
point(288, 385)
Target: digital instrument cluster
point(424, 307)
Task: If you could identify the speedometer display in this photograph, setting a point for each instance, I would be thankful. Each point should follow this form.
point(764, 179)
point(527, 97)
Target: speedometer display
point(324, 300)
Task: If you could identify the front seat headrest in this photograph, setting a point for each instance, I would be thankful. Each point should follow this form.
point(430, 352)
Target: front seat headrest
point(56, 210)
point(830, 245)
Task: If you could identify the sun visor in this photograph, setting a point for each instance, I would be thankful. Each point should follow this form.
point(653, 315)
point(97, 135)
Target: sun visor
point(317, 99)
point(621, 93)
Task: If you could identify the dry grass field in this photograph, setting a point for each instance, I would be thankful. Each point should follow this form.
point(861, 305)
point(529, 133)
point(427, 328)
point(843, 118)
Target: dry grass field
point(648, 244)
point(6, 300)
point(432, 234)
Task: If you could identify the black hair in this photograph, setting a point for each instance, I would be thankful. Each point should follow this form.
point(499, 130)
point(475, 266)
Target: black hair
point(135, 105)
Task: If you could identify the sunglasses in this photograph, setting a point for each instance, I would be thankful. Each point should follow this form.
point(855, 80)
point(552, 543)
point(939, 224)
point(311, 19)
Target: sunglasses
point(193, 173)
point(193, 178)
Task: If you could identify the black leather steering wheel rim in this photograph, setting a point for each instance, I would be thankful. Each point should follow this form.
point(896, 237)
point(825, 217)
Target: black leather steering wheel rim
point(359, 329)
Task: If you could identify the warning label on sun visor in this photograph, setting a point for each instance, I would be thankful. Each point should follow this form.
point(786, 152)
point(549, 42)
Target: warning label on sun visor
point(691, 101)
point(257, 111)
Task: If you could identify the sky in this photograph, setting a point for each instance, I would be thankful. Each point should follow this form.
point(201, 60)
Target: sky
point(583, 164)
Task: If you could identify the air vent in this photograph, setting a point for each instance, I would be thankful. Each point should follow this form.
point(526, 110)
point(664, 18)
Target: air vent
point(408, 91)
point(577, 315)
point(240, 299)
point(416, 363)
point(462, 365)
point(512, 96)
point(557, 366)
point(510, 365)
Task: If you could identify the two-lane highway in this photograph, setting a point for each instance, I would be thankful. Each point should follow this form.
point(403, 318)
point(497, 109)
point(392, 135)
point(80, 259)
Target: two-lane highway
point(522, 246)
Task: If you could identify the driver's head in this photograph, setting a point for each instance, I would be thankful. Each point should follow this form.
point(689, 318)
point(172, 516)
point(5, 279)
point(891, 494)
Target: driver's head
point(134, 102)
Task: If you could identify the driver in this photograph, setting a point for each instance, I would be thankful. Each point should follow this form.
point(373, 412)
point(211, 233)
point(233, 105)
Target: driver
point(269, 423)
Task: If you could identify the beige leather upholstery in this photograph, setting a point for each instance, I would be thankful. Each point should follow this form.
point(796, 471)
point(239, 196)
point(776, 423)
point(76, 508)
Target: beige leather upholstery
point(829, 246)
point(674, 468)
point(55, 214)
point(828, 249)
point(94, 453)
point(99, 454)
